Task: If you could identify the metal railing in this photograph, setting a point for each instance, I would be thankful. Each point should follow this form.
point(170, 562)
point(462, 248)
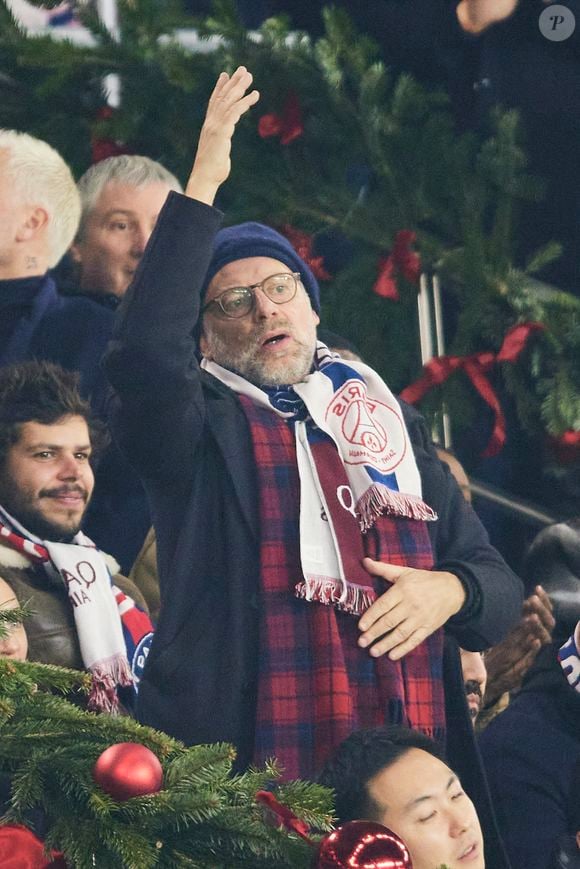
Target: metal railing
point(517, 508)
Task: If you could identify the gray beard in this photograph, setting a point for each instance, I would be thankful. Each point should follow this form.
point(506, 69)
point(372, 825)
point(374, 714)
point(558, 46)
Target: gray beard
point(258, 372)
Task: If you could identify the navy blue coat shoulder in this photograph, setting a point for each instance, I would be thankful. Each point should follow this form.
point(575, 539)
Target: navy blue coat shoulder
point(532, 754)
point(72, 332)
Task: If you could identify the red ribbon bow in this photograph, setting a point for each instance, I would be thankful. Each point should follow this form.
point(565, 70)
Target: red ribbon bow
point(283, 814)
point(288, 125)
point(477, 367)
point(302, 244)
point(402, 260)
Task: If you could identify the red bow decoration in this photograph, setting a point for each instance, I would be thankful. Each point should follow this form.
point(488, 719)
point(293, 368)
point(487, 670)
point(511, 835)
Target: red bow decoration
point(477, 367)
point(103, 147)
point(402, 260)
point(283, 815)
point(20, 849)
point(288, 125)
point(302, 244)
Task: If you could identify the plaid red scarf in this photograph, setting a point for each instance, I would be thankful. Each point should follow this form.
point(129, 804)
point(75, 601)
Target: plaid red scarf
point(315, 684)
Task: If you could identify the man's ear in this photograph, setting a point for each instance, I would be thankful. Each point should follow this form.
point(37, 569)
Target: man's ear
point(34, 223)
point(315, 317)
point(203, 345)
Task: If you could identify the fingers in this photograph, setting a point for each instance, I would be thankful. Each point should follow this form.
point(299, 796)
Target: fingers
point(219, 85)
point(540, 606)
point(230, 93)
point(538, 630)
point(544, 597)
point(391, 572)
point(512, 677)
point(398, 643)
point(382, 615)
point(385, 616)
point(212, 164)
point(412, 641)
point(416, 605)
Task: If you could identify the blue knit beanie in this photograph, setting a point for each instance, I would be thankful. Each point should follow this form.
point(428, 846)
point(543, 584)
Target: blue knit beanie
point(254, 239)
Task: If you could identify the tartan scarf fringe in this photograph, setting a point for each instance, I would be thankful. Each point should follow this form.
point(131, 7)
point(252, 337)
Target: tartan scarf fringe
point(379, 500)
point(344, 596)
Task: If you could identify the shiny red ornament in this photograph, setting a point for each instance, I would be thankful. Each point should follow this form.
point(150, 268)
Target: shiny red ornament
point(362, 845)
point(127, 770)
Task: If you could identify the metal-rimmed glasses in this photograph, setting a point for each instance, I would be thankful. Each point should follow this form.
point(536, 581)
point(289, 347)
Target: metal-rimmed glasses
point(237, 302)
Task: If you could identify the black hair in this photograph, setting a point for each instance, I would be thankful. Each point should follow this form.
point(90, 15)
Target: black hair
point(37, 391)
point(359, 758)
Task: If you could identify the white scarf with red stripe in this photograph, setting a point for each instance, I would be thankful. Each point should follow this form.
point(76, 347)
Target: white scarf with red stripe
point(354, 407)
point(107, 621)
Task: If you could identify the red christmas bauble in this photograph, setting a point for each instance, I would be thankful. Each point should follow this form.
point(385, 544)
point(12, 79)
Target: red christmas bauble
point(127, 770)
point(362, 845)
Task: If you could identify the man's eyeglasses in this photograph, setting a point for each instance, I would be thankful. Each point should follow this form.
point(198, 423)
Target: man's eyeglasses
point(239, 301)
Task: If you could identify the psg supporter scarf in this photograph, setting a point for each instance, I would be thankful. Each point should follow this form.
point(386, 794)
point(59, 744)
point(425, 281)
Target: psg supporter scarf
point(114, 634)
point(343, 410)
point(315, 684)
point(569, 657)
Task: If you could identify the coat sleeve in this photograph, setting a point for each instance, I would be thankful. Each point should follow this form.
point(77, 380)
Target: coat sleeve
point(494, 594)
point(157, 412)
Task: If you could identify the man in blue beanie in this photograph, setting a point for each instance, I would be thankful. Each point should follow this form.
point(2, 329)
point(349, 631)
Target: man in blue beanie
point(311, 546)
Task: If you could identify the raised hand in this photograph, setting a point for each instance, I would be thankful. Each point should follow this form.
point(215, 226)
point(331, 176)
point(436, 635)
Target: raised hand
point(508, 661)
point(418, 603)
point(228, 102)
point(474, 16)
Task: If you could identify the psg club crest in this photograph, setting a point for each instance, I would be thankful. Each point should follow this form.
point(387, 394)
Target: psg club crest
point(367, 440)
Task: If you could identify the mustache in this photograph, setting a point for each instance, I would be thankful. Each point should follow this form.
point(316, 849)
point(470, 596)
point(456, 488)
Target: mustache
point(473, 687)
point(64, 490)
point(263, 330)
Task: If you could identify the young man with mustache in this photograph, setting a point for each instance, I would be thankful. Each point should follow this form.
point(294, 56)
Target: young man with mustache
point(78, 617)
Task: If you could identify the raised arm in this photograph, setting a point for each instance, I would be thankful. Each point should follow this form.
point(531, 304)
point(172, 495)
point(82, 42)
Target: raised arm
point(212, 165)
point(158, 412)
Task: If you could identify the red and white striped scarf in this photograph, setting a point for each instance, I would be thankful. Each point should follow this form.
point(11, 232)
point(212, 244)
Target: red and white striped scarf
point(114, 634)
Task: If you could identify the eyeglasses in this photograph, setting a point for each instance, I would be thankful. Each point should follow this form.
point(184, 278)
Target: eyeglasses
point(237, 302)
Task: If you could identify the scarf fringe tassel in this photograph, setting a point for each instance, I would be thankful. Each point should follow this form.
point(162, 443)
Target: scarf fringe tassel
point(107, 677)
point(353, 599)
point(380, 499)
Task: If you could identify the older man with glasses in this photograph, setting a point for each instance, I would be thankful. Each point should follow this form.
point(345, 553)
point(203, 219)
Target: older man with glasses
point(311, 546)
